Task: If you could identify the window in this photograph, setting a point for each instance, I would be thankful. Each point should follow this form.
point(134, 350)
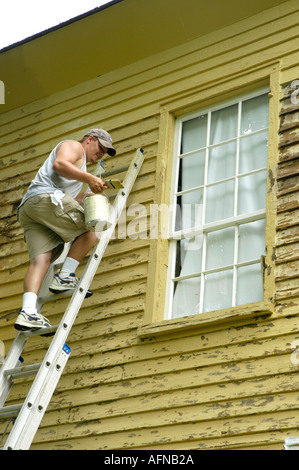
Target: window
point(217, 233)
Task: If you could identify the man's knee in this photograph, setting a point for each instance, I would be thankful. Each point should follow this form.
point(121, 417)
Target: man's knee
point(42, 259)
point(91, 237)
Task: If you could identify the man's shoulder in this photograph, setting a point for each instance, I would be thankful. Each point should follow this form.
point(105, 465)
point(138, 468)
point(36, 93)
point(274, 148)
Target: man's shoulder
point(70, 144)
point(70, 148)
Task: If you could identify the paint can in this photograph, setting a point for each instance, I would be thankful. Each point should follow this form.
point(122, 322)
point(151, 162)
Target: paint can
point(97, 213)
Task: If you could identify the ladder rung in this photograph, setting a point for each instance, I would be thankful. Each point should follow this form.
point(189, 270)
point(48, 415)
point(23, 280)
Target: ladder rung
point(10, 411)
point(19, 372)
point(50, 297)
point(115, 171)
point(40, 331)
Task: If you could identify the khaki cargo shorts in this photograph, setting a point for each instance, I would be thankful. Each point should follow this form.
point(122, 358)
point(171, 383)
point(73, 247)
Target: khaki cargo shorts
point(47, 227)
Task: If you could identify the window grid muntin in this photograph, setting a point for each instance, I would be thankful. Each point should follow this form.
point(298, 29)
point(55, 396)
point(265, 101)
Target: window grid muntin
point(236, 177)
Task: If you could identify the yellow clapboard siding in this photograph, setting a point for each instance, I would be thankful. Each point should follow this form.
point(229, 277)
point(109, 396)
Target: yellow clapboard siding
point(264, 388)
point(198, 414)
point(179, 347)
point(190, 401)
point(218, 386)
point(127, 392)
point(197, 369)
point(8, 196)
point(12, 302)
point(107, 265)
point(176, 432)
point(200, 349)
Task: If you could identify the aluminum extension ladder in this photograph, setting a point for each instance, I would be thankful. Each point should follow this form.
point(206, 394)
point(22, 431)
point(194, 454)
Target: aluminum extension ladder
point(30, 413)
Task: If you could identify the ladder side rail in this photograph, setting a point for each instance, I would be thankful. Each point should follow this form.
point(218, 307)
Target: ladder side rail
point(73, 308)
point(31, 413)
point(11, 362)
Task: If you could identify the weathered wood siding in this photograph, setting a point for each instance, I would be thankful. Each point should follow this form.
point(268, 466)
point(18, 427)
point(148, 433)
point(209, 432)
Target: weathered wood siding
point(212, 387)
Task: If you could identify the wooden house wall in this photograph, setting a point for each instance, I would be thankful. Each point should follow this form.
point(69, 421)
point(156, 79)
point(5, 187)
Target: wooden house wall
point(224, 386)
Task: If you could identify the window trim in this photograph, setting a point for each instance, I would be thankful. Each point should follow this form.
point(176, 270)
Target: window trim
point(153, 319)
point(208, 320)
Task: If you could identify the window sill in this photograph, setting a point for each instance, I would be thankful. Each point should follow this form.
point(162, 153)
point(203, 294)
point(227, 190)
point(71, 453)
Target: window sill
point(231, 315)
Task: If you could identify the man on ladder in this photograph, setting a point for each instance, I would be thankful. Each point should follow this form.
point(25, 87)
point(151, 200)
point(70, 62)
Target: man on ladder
point(48, 372)
point(51, 215)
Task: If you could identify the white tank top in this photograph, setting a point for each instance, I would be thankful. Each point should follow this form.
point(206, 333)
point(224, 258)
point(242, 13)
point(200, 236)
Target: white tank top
point(48, 181)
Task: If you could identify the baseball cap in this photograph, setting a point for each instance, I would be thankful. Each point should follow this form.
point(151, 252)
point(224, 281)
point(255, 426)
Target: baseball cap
point(104, 139)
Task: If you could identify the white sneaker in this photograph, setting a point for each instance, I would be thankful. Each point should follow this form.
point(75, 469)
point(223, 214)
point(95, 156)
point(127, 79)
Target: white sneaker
point(32, 322)
point(63, 284)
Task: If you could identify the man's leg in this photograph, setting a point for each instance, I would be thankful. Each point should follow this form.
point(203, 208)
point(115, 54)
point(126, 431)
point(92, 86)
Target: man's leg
point(66, 279)
point(81, 246)
point(79, 249)
point(36, 272)
point(28, 317)
point(33, 280)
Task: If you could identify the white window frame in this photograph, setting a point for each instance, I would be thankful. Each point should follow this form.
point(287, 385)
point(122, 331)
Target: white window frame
point(204, 229)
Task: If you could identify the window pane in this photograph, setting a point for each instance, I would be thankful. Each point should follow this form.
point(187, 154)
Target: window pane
point(192, 169)
point(251, 240)
point(249, 284)
point(222, 162)
point(186, 297)
point(253, 152)
point(218, 290)
point(194, 134)
point(188, 256)
point(189, 210)
point(220, 248)
point(254, 114)
point(224, 124)
point(252, 193)
point(220, 201)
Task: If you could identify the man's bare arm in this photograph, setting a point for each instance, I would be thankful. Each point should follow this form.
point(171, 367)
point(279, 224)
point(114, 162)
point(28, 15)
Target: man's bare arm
point(68, 163)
